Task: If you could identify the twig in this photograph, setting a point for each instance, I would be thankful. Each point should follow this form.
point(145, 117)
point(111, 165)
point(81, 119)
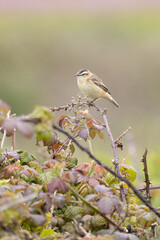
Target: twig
point(147, 181)
point(17, 201)
point(14, 139)
point(95, 209)
point(80, 229)
point(69, 106)
point(115, 155)
point(103, 113)
point(63, 145)
point(122, 135)
point(136, 192)
point(3, 139)
point(151, 188)
point(5, 131)
point(90, 146)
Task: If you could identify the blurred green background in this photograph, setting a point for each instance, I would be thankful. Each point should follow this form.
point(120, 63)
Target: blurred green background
point(41, 50)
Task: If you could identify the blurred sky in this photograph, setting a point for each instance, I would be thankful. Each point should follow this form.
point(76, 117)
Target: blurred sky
point(43, 43)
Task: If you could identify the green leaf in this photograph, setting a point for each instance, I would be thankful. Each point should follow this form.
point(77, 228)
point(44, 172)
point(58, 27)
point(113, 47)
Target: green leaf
point(26, 158)
point(47, 233)
point(4, 182)
point(42, 113)
point(128, 172)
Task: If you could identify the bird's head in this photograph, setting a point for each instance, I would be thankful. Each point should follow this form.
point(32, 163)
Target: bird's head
point(83, 73)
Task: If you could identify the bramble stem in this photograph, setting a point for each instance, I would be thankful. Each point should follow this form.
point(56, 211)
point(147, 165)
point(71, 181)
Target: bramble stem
point(115, 155)
point(136, 192)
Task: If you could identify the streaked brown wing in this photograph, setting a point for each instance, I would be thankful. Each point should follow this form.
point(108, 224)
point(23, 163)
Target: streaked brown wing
point(100, 84)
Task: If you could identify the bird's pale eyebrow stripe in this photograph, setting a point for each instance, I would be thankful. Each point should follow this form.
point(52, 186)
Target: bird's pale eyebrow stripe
point(83, 71)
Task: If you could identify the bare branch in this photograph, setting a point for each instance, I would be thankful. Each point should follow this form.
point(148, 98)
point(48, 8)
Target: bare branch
point(147, 181)
point(136, 192)
point(103, 113)
point(151, 188)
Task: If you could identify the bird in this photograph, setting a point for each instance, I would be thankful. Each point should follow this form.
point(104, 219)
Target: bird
point(92, 86)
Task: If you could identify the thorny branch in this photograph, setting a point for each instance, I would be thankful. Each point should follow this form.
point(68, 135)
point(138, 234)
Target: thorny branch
point(147, 181)
point(136, 192)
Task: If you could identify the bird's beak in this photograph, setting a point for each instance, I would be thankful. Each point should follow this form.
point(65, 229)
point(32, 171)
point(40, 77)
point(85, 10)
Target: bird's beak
point(76, 74)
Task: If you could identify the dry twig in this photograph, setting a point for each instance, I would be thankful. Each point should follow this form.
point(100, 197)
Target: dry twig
point(147, 181)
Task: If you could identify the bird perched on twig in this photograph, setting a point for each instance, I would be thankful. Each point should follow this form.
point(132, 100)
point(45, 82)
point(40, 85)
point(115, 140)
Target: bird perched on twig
point(92, 86)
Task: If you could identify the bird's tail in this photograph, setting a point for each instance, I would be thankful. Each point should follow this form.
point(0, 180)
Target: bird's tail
point(109, 98)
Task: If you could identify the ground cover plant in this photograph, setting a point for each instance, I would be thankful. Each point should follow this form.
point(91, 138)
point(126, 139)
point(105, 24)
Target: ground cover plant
point(60, 198)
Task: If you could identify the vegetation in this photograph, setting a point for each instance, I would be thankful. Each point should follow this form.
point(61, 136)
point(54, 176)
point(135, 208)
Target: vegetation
point(60, 198)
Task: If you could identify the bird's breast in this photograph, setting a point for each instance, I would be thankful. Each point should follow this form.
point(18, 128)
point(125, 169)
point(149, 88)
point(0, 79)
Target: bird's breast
point(88, 88)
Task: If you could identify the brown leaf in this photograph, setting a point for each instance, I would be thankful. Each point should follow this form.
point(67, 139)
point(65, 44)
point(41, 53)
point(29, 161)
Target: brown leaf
point(65, 120)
